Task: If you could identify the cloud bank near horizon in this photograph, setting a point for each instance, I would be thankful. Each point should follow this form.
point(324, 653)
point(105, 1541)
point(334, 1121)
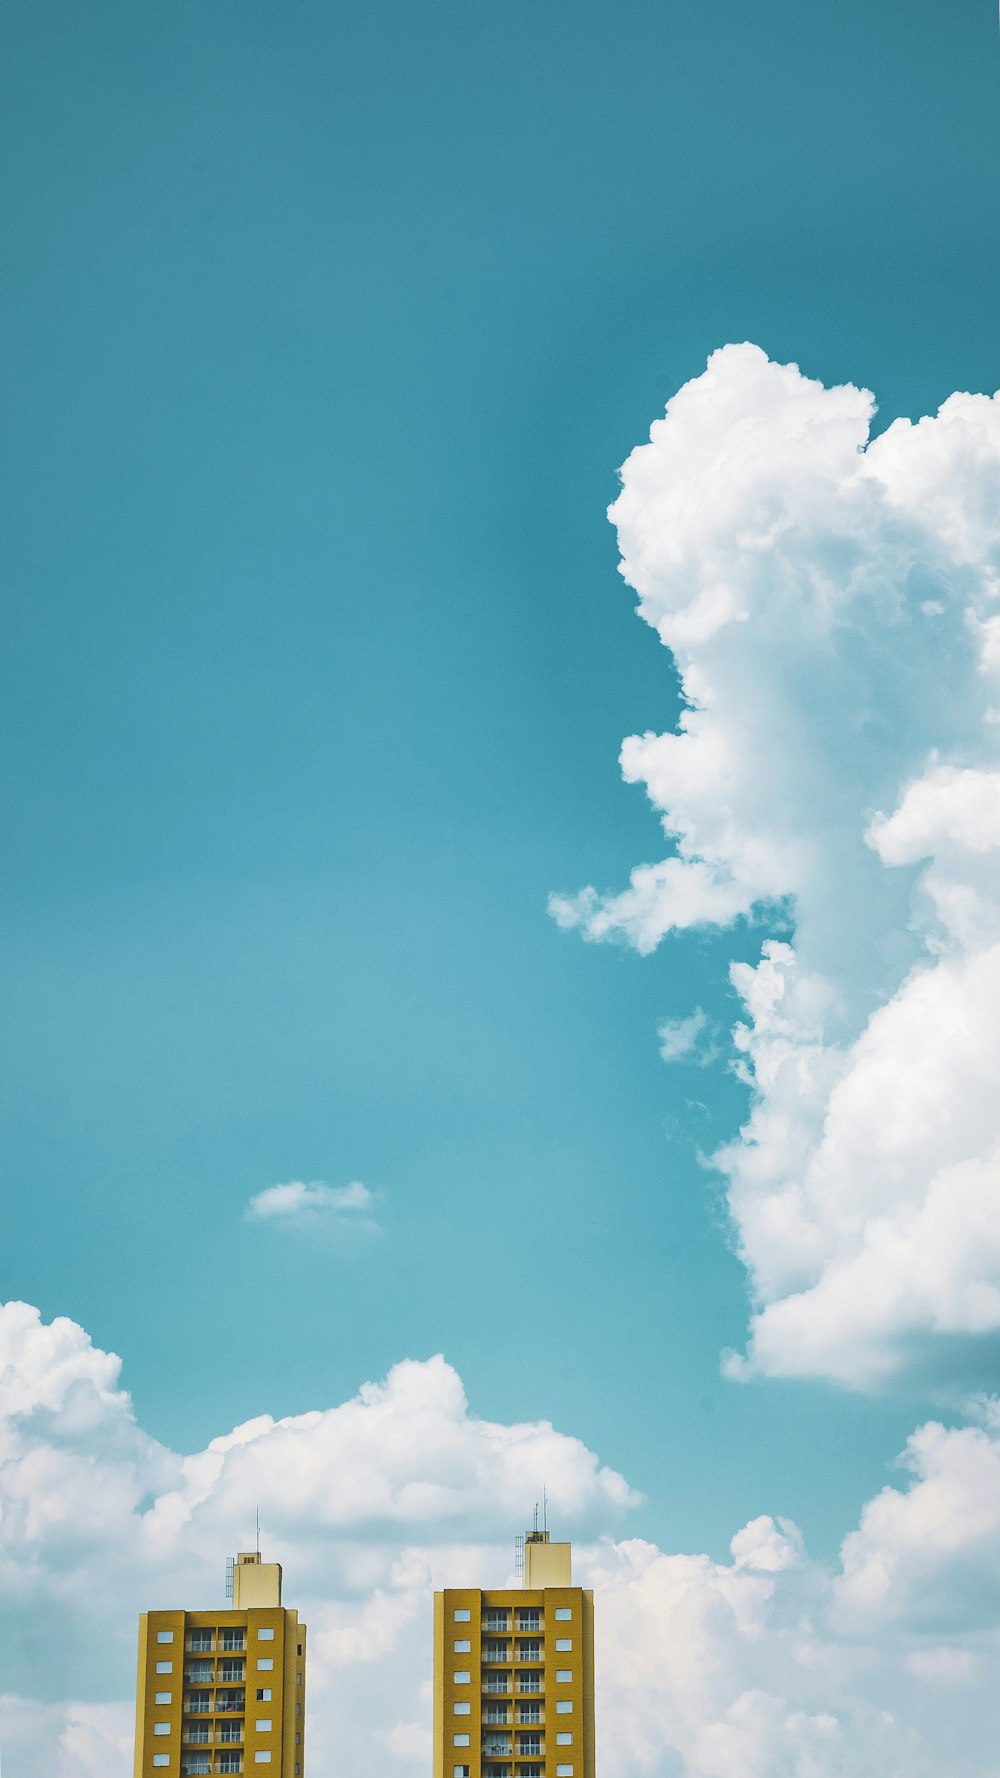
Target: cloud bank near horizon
point(763, 1665)
point(832, 606)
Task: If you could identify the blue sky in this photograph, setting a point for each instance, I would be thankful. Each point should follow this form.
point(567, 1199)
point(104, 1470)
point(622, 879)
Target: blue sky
point(327, 331)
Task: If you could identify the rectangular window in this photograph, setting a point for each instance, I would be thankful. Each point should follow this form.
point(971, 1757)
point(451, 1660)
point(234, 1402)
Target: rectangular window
point(263, 1725)
point(298, 1679)
point(264, 1666)
point(563, 1676)
point(460, 1678)
point(164, 1636)
point(195, 1762)
point(529, 1651)
point(563, 1647)
point(463, 1709)
point(460, 1771)
point(463, 1648)
point(231, 1640)
point(529, 1620)
point(262, 1759)
point(563, 1709)
point(564, 1740)
point(461, 1740)
point(264, 1695)
point(463, 1617)
point(161, 1759)
point(265, 1635)
point(563, 1614)
point(298, 1649)
point(164, 1698)
point(564, 1772)
point(161, 1728)
point(164, 1666)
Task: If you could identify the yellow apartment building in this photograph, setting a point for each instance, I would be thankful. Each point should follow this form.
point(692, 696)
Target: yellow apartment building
point(224, 1691)
point(514, 1674)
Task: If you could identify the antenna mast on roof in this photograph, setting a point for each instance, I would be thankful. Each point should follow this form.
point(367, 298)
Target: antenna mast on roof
point(258, 1533)
point(535, 1520)
point(545, 1509)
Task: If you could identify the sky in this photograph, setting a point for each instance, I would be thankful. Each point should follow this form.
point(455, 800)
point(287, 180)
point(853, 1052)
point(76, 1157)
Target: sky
point(497, 998)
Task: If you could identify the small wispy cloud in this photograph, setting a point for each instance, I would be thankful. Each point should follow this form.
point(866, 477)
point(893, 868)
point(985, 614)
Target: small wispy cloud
point(298, 1204)
point(687, 1040)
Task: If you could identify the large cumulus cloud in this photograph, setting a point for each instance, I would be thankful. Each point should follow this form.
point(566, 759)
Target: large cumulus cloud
point(832, 606)
point(759, 1665)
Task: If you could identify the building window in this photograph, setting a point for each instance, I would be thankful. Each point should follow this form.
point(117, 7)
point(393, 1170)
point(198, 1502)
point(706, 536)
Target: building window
point(298, 1740)
point(529, 1713)
point(298, 1679)
point(262, 1758)
point(529, 1744)
point(563, 1708)
point(196, 1762)
point(460, 1678)
point(164, 1666)
point(563, 1676)
point(529, 1651)
point(164, 1636)
point(563, 1647)
point(496, 1651)
point(197, 1736)
point(463, 1617)
point(161, 1728)
point(496, 1620)
point(564, 1772)
point(164, 1698)
point(564, 1740)
point(265, 1666)
point(460, 1771)
point(232, 1640)
point(230, 1731)
point(298, 1648)
point(463, 1709)
point(461, 1741)
point(563, 1614)
point(463, 1648)
point(228, 1762)
point(161, 1759)
point(529, 1682)
point(263, 1725)
point(529, 1771)
point(529, 1620)
point(264, 1695)
point(265, 1635)
point(200, 1642)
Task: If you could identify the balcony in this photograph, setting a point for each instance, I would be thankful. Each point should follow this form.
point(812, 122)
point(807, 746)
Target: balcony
point(233, 1640)
point(529, 1713)
point(199, 1673)
point(200, 1642)
point(197, 1704)
point(229, 1762)
point(230, 1731)
point(529, 1682)
point(196, 1762)
point(231, 1702)
point(497, 1713)
point(529, 1651)
point(231, 1672)
point(496, 1651)
point(197, 1736)
point(496, 1682)
point(529, 1746)
point(495, 1623)
point(496, 1746)
point(529, 1620)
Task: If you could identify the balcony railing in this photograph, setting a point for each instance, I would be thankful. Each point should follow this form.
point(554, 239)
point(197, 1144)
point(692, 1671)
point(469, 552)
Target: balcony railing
point(199, 1673)
point(496, 1682)
point(231, 1702)
point(197, 1704)
point(529, 1682)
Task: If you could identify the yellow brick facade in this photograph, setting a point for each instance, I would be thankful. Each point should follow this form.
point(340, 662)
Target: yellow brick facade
point(514, 1677)
point(223, 1691)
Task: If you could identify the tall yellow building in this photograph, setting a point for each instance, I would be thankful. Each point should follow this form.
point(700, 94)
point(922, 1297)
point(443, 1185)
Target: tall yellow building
point(224, 1691)
point(514, 1674)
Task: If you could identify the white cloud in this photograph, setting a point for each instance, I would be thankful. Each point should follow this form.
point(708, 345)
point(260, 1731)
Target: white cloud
point(303, 1205)
point(831, 606)
point(687, 1040)
point(759, 1666)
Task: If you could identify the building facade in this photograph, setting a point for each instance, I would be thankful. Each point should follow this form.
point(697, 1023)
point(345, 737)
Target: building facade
point(514, 1674)
point(224, 1691)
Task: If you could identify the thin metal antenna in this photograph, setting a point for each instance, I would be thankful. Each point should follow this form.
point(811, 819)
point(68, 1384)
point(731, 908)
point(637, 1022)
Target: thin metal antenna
point(258, 1531)
point(535, 1520)
point(545, 1509)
